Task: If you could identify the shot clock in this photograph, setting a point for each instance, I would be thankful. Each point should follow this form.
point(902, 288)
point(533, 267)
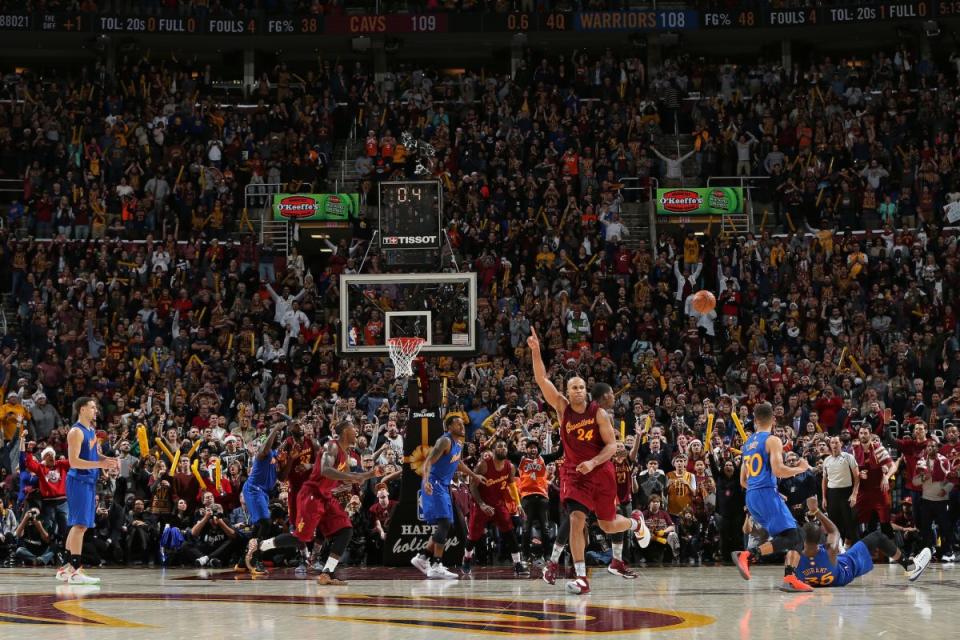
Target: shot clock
point(410, 215)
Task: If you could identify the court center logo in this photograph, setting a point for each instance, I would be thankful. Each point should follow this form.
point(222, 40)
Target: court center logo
point(464, 614)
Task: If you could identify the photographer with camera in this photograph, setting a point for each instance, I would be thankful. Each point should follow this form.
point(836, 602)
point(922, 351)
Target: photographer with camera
point(212, 540)
point(33, 541)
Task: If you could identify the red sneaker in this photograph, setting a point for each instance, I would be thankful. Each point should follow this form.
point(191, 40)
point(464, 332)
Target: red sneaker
point(550, 572)
point(620, 568)
point(580, 586)
point(742, 560)
point(793, 584)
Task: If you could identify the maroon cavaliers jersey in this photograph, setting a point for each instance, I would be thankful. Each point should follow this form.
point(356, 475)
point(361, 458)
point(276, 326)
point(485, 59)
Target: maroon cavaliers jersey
point(871, 459)
point(624, 471)
point(307, 455)
point(493, 491)
point(321, 483)
point(580, 435)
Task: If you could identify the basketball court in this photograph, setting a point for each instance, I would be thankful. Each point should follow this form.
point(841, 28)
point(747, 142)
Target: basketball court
point(397, 603)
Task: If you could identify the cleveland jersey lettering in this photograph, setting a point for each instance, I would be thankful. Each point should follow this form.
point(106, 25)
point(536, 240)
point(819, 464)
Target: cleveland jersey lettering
point(494, 488)
point(580, 434)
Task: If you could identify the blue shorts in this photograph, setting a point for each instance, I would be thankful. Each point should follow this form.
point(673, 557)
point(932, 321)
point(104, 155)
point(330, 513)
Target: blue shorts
point(81, 502)
point(769, 511)
point(435, 507)
point(258, 503)
point(854, 563)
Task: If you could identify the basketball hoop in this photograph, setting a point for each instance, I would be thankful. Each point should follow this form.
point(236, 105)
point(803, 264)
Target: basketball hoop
point(402, 352)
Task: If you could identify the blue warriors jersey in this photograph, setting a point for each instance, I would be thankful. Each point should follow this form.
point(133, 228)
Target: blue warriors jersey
point(443, 470)
point(757, 461)
point(264, 472)
point(88, 451)
point(820, 572)
point(436, 506)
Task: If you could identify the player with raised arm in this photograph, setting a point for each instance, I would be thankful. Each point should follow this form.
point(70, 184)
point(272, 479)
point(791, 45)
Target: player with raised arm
point(256, 494)
point(604, 396)
point(436, 506)
point(318, 508)
point(83, 452)
point(587, 480)
point(822, 565)
point(762, 465)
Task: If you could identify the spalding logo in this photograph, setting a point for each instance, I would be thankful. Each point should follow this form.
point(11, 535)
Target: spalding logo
point(296, 207)
point(681, 201)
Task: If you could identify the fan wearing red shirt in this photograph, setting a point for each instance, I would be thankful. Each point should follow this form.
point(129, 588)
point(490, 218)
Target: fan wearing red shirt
point(52, 479)
point(828, 406)
point(876, 468)
point(587, 479)
point(372, 146)
point(380, 513)
point(951, 446)
point(373, 329)
point(912, 449)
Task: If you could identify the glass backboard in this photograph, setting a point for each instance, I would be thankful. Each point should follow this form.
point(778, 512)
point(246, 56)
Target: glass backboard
point(441, 308)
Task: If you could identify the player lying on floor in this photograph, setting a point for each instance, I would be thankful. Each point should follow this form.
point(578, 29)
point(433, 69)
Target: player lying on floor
point(822, 565)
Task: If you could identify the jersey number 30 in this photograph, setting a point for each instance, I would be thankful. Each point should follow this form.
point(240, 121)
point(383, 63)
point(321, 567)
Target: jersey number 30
point(754, 464)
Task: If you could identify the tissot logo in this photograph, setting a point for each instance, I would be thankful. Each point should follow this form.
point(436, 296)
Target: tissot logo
point(681, 201)
point(409, 240)
point(296, 207)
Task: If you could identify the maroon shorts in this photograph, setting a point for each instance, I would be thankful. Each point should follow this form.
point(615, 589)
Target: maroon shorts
point(870, 503)
point(596, 490)
point(479, 521)
point(318, 510)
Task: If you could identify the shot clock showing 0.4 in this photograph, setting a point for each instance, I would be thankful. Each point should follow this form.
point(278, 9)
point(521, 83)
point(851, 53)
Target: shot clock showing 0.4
point(410, 213)
point(409, 194)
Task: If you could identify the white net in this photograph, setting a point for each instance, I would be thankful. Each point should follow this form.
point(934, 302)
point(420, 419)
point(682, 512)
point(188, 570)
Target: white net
point(402, 352)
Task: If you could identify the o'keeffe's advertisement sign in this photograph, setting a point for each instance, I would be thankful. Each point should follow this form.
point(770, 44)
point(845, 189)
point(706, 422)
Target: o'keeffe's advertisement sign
point(308, 207)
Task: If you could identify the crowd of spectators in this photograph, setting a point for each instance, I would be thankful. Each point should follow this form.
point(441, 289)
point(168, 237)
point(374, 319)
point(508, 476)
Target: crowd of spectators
point(135, 280)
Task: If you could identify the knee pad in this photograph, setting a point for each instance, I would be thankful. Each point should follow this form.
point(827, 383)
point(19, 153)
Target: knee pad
point(442, 531)
point(789, 540)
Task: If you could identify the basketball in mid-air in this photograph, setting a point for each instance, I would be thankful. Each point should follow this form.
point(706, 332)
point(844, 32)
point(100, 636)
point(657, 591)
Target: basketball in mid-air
point(703, 301)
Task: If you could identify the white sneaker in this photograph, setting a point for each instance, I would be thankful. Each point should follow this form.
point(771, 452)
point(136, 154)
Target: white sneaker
point(920, 562)
point(949, 558)
point(63, 573)
point(421, 563)
point(79, 577)
point(642, 532)
point(440, 572)
point(579, 587)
